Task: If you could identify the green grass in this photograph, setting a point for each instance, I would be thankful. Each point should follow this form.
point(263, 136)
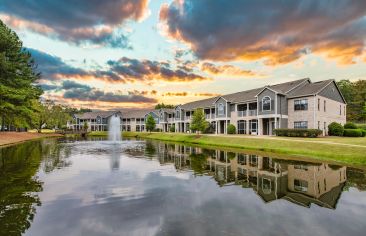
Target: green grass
point(329, 149)
point(98, 133)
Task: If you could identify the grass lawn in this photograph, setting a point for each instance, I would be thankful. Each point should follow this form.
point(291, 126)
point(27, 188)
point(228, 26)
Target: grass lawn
point(329, 148)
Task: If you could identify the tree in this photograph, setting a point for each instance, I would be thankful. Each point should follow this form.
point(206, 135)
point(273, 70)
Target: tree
point(150, 123)
point(355, 96)
point(18, 77)
point(42, 115)
point(199, 123)
point(162, 105)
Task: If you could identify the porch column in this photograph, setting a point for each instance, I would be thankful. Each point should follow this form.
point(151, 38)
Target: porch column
point(275, 124)
point(247, 127)
point(259, 127)
point(216, 129)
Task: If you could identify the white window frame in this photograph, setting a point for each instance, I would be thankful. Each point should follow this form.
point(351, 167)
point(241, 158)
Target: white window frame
point(220, 111)
point(270, 102)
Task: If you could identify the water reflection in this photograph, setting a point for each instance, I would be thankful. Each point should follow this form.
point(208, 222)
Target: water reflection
point(298, 182)
point(93, 187)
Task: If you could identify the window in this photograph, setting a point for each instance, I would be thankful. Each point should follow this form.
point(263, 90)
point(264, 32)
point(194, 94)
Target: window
point(177, 114)
point(301, 167)
point(300, 185)
point(325, 106)
point(253, 126)
point(241, 127)
point(300, 125)
point(266, 186)
point(221, 109)
point(301, 105)
point(318, 104)
point(266, 103)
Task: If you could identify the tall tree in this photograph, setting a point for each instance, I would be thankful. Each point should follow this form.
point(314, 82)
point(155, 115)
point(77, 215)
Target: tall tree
point(17, 78)
point(199, 123)
point(150, 123)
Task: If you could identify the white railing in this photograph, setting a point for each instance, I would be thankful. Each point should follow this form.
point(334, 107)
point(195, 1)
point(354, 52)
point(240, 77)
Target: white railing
point(252, 112)
point(207, 116)
point(213, 116)
point(242, 113)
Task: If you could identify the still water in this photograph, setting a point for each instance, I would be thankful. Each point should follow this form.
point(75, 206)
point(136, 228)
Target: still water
point(95, 187)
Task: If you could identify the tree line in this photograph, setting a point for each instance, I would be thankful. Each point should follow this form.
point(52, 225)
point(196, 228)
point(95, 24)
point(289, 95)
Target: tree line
point(354, 93)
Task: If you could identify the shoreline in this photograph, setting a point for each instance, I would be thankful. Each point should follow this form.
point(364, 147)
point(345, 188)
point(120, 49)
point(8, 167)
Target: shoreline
point(342, 153)
point(13, 138)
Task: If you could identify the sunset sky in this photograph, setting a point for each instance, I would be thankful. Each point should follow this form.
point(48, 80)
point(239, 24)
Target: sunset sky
point(136, 53)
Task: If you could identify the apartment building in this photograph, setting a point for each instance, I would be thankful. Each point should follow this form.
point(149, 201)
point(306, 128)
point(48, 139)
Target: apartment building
point(299, 104)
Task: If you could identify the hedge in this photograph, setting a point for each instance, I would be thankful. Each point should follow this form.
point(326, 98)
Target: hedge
point(363, 132)
point(312, 133)
point(335, 129)
point(172, 128)
point(231, 129)
point(353, 133)
point(350, 125)
point(361, 126)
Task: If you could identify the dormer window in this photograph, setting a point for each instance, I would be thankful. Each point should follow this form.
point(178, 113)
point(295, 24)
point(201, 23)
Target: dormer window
point(266, 103)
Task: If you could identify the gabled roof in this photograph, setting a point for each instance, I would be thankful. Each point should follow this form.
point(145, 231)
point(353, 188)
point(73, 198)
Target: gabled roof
point(199, 104)
point(136, 113)
point(288, 86)
point(309, 89)
point(94, 114)
point(168, 110)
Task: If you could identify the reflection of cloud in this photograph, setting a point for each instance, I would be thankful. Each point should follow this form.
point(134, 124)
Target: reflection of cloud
point(278, 32)
point(84, 21)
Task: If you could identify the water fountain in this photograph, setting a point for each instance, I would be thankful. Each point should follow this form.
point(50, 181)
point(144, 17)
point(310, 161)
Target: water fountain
point(114, 129)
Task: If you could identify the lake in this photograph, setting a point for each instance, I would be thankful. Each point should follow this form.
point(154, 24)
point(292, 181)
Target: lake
point(138, 187)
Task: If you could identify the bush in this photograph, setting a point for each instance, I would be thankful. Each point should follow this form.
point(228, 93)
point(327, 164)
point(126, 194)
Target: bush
point(361, 126)
point(311, 133)
point(172, 128)
point(335, 129)
point(352, 133)
point(350, 125)
point(231, 129)
point(363, 132)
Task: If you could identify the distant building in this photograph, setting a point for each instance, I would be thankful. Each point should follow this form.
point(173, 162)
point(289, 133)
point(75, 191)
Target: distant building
point(97, 121)
point(298, 104)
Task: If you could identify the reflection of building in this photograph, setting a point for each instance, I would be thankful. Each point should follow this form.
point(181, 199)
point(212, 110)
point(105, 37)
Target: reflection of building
point(299, 182)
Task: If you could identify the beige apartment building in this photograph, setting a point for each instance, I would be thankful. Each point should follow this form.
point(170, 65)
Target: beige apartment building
point(299, 104)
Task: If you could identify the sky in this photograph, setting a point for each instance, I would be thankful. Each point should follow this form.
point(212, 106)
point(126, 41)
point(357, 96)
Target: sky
point(128, 54)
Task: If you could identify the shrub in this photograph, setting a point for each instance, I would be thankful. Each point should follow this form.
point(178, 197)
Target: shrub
point(172, 128)
point(231, 129)
point(311, 133)
point(361, 126)
point(363, 132)
point(352, 133)
point(350, 125)
point(335, 129)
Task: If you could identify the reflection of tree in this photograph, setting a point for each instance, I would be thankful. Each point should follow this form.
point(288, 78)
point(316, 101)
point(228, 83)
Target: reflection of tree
point(356, 178)
point(18, 187)
point(55, 155)
point(198, 163)
point(150, 149)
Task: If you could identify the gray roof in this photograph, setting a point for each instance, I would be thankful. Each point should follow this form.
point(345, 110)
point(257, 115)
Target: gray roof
point(309, 89)
point(199, 104)
point(94, 114)
point(136, 113)
point(286, 87)
point(168, 110)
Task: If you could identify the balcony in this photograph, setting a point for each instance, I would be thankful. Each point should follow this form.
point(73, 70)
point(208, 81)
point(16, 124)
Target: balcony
point(252, 113)
point(242, 113)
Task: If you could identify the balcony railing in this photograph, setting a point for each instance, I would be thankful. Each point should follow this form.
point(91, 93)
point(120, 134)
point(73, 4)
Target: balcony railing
point(207, 116)
point(252, 112)
point(242, 113)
